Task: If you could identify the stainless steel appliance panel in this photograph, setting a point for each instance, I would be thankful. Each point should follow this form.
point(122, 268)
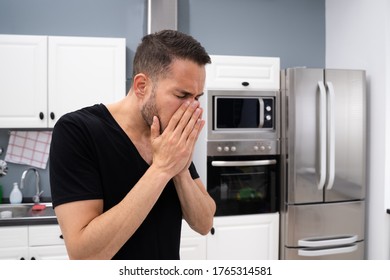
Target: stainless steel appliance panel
point(325, 135)
point(266, 112)
point(348, 132)
point(348, 252)
point(243, 147)
point(243, 185)
point(303, 173)
point(313, 222)
point(323, 155)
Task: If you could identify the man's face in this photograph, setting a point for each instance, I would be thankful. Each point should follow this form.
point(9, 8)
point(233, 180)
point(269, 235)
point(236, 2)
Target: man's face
point(184, 83)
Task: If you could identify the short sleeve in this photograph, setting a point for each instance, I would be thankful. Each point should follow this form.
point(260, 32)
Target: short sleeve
point(73, 172)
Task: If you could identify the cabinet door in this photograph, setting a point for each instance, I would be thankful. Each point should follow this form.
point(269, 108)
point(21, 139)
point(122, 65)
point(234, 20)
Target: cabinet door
point(23, 81)
point(45, 235)
point(244, 237)
point(192, 245)
point(13, 243)
point(243, 73)
point(14, 253)
point(46, 243)
point(83, 72)
point(48, 253)
point(16, 236)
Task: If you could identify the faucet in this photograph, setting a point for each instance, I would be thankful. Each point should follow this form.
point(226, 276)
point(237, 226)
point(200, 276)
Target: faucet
point(38, 193)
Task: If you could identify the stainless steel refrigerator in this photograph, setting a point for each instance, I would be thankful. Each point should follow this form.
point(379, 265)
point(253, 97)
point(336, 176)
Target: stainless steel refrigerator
point(323, 163)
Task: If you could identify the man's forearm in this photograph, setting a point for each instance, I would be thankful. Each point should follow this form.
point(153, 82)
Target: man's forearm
point(197, 206)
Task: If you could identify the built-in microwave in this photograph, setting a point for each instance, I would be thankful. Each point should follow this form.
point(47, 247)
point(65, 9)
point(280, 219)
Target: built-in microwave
point(236, 115)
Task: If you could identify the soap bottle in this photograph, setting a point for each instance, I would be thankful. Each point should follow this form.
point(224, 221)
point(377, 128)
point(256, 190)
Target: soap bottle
point(16, 195)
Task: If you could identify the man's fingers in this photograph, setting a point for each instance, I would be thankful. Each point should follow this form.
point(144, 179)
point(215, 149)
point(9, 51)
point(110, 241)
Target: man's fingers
point(177, 116)
point(155, 128)
point(191, 124)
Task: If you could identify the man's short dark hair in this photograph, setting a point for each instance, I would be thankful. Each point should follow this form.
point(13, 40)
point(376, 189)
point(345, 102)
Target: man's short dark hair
point(156, 52)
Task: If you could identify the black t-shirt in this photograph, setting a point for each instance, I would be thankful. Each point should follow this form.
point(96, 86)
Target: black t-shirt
point(91, 157)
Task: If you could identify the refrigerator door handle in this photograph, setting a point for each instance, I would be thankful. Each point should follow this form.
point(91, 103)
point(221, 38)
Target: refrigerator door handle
point(331, 136)
point(222, 163)
point(327, 251)
point(322, 136)
point(325, 242)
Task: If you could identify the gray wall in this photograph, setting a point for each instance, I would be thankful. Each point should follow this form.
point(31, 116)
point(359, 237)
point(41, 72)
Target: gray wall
point(15, 172)
point(293, 30)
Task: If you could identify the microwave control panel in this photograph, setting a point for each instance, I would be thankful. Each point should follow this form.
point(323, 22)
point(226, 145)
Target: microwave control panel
point(268, 112)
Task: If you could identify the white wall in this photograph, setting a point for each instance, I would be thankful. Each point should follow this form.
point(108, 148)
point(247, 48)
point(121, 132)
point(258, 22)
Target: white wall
point(357, 36)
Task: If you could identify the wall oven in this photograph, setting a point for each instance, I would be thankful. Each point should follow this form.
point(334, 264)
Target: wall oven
point(243, 154)
point(243, 184)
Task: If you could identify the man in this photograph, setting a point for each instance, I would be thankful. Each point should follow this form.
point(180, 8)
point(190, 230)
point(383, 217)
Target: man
point(121, 175)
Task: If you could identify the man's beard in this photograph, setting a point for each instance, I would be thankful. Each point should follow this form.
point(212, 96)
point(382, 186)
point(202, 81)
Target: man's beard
point(149, 110)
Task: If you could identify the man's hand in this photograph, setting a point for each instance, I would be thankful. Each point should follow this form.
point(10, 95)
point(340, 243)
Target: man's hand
point(172, 149)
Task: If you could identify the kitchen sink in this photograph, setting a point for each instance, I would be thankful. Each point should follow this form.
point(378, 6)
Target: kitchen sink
point(25, 211)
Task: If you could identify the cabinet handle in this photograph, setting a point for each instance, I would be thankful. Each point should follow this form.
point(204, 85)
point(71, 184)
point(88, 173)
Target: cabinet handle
point(22, 258)
point(52, 116)
point(245, 84)
point(33, 258)
point(212, 231)
point(41, 115)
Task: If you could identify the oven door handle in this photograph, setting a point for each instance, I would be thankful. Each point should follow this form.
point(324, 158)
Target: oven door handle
point(222, 163)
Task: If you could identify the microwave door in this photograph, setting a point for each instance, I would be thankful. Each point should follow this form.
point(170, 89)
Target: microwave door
point(305, 136)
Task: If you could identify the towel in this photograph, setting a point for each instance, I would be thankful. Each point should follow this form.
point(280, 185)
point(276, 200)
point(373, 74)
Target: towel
point(29, 148)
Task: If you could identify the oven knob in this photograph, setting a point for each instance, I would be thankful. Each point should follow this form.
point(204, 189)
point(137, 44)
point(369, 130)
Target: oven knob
point(262, 148)
point(269, 148)
point(219, 149)
point(268, 108)
point(233, 149)
point(268, 117)
point(226, 149)
point(256, 148)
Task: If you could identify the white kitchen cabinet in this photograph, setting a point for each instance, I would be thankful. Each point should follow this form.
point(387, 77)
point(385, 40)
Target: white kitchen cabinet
point(244, 237)
point(84, 71)
point(192, 245)
point(44, 77)
point(46, 242)
point(39, 242)
point(48, 253)
point(243, 73)
point(14, 243)
point(23, 80)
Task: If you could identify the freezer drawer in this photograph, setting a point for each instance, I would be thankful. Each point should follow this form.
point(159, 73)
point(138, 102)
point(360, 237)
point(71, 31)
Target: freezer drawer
point(336, 222)
point(353, 251)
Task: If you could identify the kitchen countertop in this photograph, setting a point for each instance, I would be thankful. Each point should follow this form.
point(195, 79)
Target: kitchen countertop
point(27, 222)
point(24, 215)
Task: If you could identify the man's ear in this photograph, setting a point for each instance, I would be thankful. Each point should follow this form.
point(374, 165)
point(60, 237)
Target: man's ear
point(140, 82)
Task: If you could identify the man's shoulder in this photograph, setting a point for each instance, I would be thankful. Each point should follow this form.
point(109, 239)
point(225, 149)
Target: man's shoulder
point(83, 115)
